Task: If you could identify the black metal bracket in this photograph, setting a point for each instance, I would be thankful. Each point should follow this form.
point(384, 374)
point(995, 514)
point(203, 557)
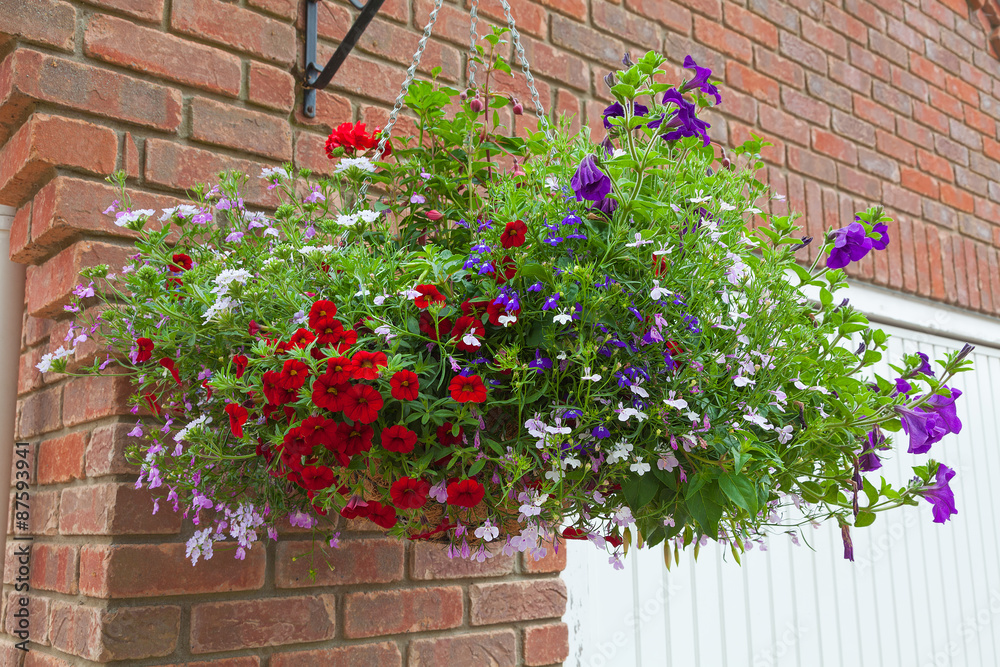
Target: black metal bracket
point(316, 79)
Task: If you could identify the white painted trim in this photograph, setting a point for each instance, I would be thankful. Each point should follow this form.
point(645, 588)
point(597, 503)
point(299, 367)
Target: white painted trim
point(6, 217)
point(11, 312)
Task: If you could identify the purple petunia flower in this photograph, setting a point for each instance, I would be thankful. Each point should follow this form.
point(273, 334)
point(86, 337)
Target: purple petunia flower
point(925, 366)
point(929, 424)
point(700, 80)
point(850, 244)
point(616, 110)
point(684, 122)
point(589, 182)
point(940, 494)
point(845, 534)
point(902, 387)
point(869, 460)
point(606, 206)
point(883, 240)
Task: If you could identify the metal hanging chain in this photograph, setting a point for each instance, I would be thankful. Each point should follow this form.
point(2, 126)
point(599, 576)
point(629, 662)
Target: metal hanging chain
point(542, 120)
point(473, 38)
point(403, 89)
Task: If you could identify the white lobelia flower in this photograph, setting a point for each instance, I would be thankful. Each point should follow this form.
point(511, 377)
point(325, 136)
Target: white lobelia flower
point(700, 198)
point(640, 467)
point(725, 206)
point(507, 320)
point(658, 292)
point(628, 413)
point(638, 241)
point(638, 390)
point(470, 340)
point(678, 403)
point(784, 433)
point(552, 183)
point(563, 317)
point(587, 375)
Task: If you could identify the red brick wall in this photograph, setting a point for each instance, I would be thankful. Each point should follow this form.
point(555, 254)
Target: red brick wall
point(895, 101)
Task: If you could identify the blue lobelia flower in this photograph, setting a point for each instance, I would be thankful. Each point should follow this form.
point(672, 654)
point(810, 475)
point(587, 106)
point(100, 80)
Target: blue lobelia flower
point(589, 182)
point(540, 364)
point(551, 302)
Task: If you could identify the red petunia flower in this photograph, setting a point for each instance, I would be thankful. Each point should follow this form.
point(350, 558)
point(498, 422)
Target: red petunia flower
point(240, 361)
point(354, 512)
point(660, 265)
point(293, 375)
point(506, 270)
point(318, 430)
point(253, 329)
point(572, 533)
point(329, 394)
point(182, 262)
point(207, 387)
point(426, 326)
point(405, 385)
point(145, 350)
point(673, 348)
point(273, 392)
point(467, 389)
point(301, 338)
point(446, 438)
point(613, 540)
point(151, 402)
point(321, 311)
point(237, 418)
point(354, 439)
point(169, 364)
point(316, 478)
point(466, 493)
point(380, 515)
point(475, 308)
point(495, 310)
point(398, 439)
point(513, 234)
point(362, 404)
point(467, 325)
point(367, 363)
point(339, 369)
point(408, 493)
point(328, 332)
point(344, 340)
point(295, 444)
point(428, 294)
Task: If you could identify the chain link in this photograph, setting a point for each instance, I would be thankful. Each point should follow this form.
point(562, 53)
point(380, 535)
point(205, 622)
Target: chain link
point(394, 114)
point(473, 38)
point(539, 109)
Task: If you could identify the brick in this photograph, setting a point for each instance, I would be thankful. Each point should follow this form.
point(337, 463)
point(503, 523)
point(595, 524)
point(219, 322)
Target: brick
point(182, 167)
point(920, 21)
point(895, 147)
point(892, 98)
point(874, 113)
point(906, 82)
point(801, 52)
point(398, 44)
point(48, 22)
point(985, 287)
point(751, 25)
point(94, 397)
point(430, 561)
point(934, 256)
point(868, 62)
point(557, 64)
point(888, 48)
point(971, 181)
point(165, 56)
point(516, 601)
point(848, 125)
point(146, 10)
point(226, 24)
point(106, 451)
point(722, 39)
point(546, 644)
point(749, 81)
point(851, 77)
point(905, 241)
point(383, 655)
point(530, 16)
point(905, 35)
point(554, 560)
point(776, 11)
point(955, 153)
point(965, 135)
point(389, 612)
point(834, 146)
point(805, 107)
point(247, 131)
point(994, 276)
point(808, 163)
point(980, 121)
point(130, 157)
point(934, 165)
point(45, 143)
point(623, 24)
point(824, 38)
point(918, 182)
point(978, 226)
point(38, 659)
point(27, 76)
point(587, 42)
point(246, 661)
point(780, 68)
point(940, 214)
point(496, 649)
point(775, 121)
point(36, 623)
point(845, 24)
point(824, 89)
point(576, 9)
point(223, 626)
point(947, 103)
point(40, 412)
point(20, 237)
point(310, 153)
point(931, 117)
point(962, 90)
point(61, 459)
point(956, 198)
point(54, 568)
point(895, 259)
point(155, 570)
point(332, 110)
point(113, 509)
point(867, 12)
point(357, 561)
point(879, 165)
point(101, 635)
point(961, 271)
point(861, 184)
point(666, 12)
point(922, 259)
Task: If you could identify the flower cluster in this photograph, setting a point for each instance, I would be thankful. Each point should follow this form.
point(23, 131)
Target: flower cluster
point(590, 340)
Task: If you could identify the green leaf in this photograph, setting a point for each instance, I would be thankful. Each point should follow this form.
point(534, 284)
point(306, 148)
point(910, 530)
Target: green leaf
point(864, 518)
point(871, 492)
point(639, 491)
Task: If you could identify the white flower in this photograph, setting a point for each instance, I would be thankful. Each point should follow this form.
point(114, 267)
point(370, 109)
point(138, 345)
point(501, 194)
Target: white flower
point(223, 304)
point(369, 216)
point(669, 521)
point(487, 532)
point(362, 163)
point(470, 340)
point(125, 218)
point(274, 172)
point(362, 290)
point(553, 475)
point(639, 391)
point(535, 427)
point(752, 210)
point(507, 320)
point(562, 317)
point(45, 365)
point(552, 183)
point(229, 276)
point(380, 299)
point(561, 356)
point(638, 241)
point(639, 467)
point(741, 381)
point(667, 462)
point(571, 462)
point(587, 375)
point(725, 206)
point(759, 420)
point(627, 413)
point(658, 292)
point(784, 434)
point(678, 403)
point(700, 198)
point(345, 220)
point(662, 250)
point(182, 211)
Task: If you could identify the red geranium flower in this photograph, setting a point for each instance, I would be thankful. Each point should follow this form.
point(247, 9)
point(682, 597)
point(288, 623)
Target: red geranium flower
point(426, 325)
point(467, 389)
point(168, 363)
point(428, 294)
point(182, 262)
point(399, 439)
point(319, 430)
point(446, 438)
point(273, 392)
point(329, 394)
point(466, 325)
point(316, 478)
point(506, 270)
point(351, 138)
point(466, 493)
point(380, 515)
point(240, 361)
point(253, 328)
point(513, 234)
point(354, 439)
point(293, 375)
point(405, 385)
point(408, 493)
point(362, 404)
point(659, 265)
point(237, 418)
point(145, 350)
point(321, 310)
point(495, 310)
point(339, 369)
point(366, 364)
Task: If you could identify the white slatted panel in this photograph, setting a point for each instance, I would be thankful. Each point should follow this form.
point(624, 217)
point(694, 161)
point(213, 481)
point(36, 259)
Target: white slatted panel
point(919, 594)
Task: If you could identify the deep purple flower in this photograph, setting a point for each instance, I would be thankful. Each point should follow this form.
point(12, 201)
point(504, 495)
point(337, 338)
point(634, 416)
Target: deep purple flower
point(540, 364)
point(902, 387)
point(606, 206)
point(944, 406)
point(700, 80)
point(845, 534)
point(589, 182)
point(601, 432)
point(940, 494)
point(869, 460)
point(537, 287)
point(929, 424)
point(850, 244)
point(684, 122)
point(925, 366)
point(571, 219)
point(880, 242)
point(551, 302)
point(616, 110)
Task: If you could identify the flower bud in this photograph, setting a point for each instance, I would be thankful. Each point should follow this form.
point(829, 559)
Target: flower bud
point(627, 59)
point(434, 215)
point(464, 95)
point(518, 107)
point(726, 163)
point(476, 104)
point(610, 79)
